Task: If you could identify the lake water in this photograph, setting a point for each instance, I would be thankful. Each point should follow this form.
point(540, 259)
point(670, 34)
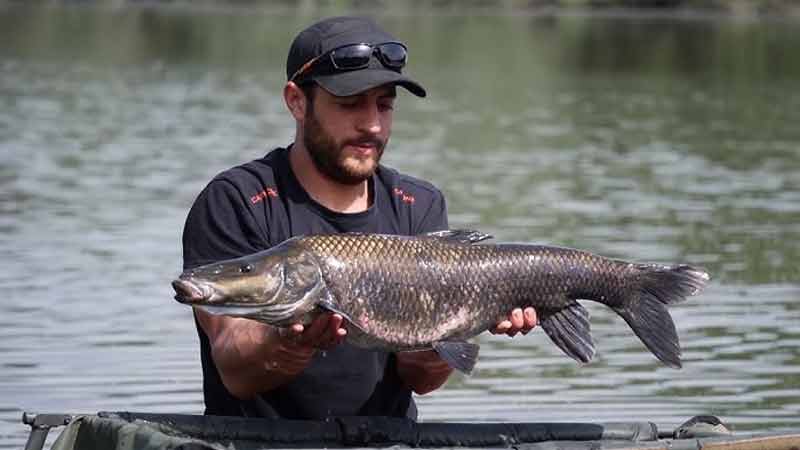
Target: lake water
point(653, 139)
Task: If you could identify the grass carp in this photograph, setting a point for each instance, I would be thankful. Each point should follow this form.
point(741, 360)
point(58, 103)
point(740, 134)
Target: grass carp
point(437, 290)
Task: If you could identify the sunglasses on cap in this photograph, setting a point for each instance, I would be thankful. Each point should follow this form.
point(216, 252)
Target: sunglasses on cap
point(392, 55)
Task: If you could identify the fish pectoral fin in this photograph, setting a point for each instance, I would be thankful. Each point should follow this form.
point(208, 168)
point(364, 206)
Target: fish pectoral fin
point(461, 236)
point(460, 355)
point(569, 329)
point(327, 303)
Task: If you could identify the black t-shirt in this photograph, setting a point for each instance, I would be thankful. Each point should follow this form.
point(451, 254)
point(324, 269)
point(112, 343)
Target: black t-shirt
point(259, 204)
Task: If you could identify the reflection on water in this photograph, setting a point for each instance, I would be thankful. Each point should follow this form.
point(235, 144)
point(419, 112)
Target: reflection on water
point(651, 140)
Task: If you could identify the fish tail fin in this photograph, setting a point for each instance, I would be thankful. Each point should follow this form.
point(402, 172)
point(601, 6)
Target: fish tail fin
point(645, 310)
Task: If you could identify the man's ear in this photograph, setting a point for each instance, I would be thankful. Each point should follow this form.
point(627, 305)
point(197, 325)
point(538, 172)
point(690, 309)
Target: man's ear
point(295, 100)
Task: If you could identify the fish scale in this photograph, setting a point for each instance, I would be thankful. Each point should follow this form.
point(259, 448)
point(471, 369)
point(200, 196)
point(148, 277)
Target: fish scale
point(435, 291)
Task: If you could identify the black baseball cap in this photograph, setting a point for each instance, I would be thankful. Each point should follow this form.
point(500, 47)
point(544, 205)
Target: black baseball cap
point(332, 33)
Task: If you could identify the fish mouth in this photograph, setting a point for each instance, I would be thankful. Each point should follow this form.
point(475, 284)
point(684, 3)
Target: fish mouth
point(246, 311)
point(203, 295)
point(190, 292)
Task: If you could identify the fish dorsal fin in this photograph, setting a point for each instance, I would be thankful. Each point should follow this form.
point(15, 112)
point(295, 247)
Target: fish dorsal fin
point(459, 355)
point(462, 236)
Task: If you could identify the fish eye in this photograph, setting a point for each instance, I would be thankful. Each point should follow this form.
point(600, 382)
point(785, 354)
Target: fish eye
point(246, 268)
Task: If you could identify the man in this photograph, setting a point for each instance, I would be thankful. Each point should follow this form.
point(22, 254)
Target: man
point(342, 77)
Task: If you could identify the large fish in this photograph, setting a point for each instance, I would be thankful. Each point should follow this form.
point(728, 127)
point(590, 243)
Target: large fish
point(437, 290)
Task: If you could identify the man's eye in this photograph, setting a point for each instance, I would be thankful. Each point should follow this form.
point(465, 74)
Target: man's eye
point(386, 106)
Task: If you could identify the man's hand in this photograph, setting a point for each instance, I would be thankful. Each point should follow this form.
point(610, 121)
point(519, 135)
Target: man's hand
point(425, 371)
point(297, 344)
point(323, 333)
point(518, 321)
point(253, 357)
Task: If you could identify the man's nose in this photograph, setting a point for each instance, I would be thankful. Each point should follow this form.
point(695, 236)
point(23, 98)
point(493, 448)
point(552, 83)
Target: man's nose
point(370, 119)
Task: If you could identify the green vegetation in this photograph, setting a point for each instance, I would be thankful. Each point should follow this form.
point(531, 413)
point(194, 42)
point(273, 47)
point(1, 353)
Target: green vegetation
point(739, 8)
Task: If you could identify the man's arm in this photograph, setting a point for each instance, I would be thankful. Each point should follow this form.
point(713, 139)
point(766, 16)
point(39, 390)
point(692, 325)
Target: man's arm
point(250, 357)
point(253, 357)
point(425, 371)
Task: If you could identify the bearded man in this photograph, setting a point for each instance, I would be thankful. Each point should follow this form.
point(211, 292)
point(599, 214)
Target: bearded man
point(342, 75)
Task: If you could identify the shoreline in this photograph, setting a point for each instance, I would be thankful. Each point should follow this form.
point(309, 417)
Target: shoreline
point(788, 10)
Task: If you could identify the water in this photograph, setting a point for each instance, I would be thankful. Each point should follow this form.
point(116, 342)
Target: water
point(657, 139)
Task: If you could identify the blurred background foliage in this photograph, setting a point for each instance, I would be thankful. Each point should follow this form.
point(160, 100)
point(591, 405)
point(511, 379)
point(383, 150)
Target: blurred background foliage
point(781, 8)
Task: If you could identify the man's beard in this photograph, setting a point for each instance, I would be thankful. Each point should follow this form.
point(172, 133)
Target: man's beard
point(328, 155)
